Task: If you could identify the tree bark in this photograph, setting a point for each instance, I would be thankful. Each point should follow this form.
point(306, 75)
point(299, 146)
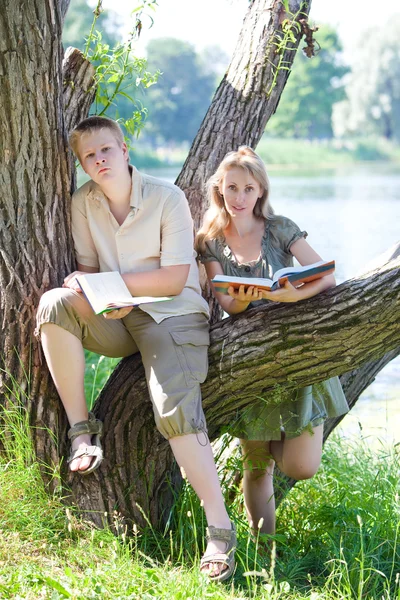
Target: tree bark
point(35, 234)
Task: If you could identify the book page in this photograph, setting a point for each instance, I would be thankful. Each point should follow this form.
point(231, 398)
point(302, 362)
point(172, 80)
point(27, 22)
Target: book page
point(101, 289)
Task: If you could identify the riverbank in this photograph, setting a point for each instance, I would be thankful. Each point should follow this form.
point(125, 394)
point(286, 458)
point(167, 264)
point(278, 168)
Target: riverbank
point(285, 153)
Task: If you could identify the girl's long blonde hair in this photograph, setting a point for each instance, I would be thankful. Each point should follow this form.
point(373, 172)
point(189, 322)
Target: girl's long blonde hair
point(216, 218)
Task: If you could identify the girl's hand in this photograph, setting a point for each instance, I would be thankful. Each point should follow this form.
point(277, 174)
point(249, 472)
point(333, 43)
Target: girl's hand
point(250, 295)
point(118, 313)
point(288, 293)
point(71, 282)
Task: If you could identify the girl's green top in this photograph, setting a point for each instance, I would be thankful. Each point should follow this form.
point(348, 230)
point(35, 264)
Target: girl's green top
point(285, 409)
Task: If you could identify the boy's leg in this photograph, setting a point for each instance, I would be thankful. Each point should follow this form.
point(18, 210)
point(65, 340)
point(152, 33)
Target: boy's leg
point(258, 487)
point(67, 324)
point(299, 457)
point(174, 354)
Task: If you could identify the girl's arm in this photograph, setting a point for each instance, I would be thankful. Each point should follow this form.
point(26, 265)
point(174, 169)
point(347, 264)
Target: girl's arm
point(306, 255)
point(237, 301)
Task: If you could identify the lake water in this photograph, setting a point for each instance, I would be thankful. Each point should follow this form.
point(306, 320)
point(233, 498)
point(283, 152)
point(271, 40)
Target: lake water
point(352, 215)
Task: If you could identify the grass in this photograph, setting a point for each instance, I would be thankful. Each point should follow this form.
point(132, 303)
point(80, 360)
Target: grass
point(337, 538)
point(98, 370)
point(310, 154)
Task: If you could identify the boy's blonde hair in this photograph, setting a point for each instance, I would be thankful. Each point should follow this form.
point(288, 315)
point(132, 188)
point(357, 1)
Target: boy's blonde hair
point(216, 218)
point(90, 125)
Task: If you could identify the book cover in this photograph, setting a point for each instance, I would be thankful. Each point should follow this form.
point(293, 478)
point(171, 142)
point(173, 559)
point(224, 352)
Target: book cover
point(296, 275)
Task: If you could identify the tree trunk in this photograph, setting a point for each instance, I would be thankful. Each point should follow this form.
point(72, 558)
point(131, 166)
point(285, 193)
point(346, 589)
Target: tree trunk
point(35, 233)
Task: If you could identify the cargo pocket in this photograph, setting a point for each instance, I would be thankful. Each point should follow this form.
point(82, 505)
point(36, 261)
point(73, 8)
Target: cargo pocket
point(192, 352)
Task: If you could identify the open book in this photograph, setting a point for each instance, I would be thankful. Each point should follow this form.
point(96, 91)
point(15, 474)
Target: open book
point(108, 291)
point(296, 275)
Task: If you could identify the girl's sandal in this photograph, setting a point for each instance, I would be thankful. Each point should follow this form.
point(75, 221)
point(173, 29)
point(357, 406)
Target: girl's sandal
point(226, 558)
point(95, 428)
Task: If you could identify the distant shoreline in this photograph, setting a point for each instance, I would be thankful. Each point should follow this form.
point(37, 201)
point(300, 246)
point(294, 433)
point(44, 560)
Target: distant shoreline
point(287, 154)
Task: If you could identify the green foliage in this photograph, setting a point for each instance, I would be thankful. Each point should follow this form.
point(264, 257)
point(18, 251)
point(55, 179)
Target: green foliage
point(120, 76)
point(314, 86)
point(373, 90)
point(98, 369)
point(179, 101)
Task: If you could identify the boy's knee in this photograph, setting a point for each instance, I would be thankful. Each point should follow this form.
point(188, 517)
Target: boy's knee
point(64, 299)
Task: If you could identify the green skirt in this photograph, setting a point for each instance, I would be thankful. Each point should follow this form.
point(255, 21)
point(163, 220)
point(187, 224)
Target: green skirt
point(291, 411)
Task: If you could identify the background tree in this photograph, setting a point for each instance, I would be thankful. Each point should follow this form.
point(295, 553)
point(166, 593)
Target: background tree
point(373, 89)
point(314, 86)
point(178, 103)
point(250, 355)
point(78, 23)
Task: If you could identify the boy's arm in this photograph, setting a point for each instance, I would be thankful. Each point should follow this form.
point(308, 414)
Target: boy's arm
point(165, 281)
point(176, 255)
point(70, 280)
point(236, 301)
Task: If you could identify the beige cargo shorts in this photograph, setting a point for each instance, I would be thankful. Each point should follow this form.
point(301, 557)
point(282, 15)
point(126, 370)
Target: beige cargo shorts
point(174, 353)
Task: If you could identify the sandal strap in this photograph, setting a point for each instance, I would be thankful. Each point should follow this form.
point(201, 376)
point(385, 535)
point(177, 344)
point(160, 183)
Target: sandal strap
point(86, 451)
point(217, 557)
point(92, 426)
point(219, 534)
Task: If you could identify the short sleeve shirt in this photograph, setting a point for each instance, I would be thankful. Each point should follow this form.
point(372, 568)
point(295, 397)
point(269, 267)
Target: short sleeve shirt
point(279, 235)
point(157, 232)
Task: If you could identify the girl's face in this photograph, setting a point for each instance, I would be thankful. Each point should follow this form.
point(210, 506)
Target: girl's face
point(240, 191)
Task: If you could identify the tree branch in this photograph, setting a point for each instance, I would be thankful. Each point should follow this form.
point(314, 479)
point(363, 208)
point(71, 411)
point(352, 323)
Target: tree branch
point(79, 87)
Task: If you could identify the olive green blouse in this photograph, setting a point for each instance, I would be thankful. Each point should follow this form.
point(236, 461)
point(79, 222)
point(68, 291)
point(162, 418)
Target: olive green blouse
point(289, 410)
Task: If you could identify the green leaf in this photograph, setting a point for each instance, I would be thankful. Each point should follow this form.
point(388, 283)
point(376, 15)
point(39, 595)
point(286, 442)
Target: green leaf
point(56, 585)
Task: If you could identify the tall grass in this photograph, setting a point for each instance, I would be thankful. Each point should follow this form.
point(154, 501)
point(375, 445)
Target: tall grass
point(337, 536)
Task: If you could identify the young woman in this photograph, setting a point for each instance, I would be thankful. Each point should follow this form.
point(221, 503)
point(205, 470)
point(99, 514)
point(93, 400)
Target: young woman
point(241, 236)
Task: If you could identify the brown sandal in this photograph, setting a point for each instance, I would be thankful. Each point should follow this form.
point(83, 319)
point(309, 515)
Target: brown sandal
point(224, 558)
point(95, 428)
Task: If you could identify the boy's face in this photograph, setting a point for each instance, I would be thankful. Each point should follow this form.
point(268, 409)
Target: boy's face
point(102, 157)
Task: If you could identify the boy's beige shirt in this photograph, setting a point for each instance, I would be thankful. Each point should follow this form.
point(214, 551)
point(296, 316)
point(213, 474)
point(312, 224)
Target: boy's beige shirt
point(157, 232)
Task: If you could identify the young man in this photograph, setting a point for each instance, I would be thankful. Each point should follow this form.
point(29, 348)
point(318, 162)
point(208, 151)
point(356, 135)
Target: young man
point(125, 221)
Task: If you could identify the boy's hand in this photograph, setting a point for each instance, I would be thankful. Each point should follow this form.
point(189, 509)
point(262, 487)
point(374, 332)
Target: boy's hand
point(71, 282)
point(246, 295)
point(288, 293)
point(118, 313)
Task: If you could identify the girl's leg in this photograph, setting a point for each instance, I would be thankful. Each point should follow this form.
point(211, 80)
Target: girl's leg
point(299, 457)
point(197, 460)
point(258, 488)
